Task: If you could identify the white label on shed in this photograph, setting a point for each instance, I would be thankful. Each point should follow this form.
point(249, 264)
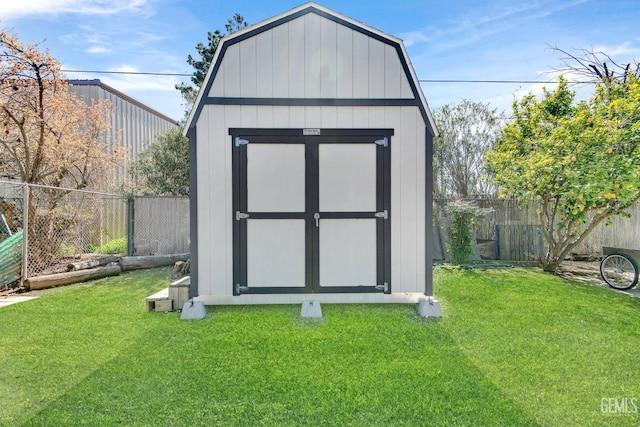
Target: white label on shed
point(314, 132)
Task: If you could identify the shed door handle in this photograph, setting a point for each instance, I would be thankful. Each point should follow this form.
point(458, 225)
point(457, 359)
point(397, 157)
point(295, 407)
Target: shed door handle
point(316, 216)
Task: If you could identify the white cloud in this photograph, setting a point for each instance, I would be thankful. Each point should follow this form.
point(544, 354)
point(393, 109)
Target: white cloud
point(98, 50)
point(624, 52)
point(12, 9)
point(139, 82)
point(415, 37)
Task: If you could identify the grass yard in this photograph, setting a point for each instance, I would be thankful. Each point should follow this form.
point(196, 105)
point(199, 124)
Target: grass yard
point(514, 348)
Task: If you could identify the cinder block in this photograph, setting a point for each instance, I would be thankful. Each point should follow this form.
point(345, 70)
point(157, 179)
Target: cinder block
point(193, 310)
point(429, 307)
point(164, 305)
point(311, 309)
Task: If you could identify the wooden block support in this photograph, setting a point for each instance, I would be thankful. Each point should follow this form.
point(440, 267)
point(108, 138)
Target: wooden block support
point(179, 292)
point(150, 302)
point(164, 305)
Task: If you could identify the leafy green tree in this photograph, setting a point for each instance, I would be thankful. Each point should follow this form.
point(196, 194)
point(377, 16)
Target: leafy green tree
point(163, 168)
point(206, 53)
point(580, 160)
point(467, 131)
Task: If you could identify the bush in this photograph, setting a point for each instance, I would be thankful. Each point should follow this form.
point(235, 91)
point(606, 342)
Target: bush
point(463, 215)
point(115, 246)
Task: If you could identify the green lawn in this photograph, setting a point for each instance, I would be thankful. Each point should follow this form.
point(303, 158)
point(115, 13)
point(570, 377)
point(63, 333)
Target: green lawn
point(515, 347)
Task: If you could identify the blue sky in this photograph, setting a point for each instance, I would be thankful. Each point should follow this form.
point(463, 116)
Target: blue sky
point(455, 39)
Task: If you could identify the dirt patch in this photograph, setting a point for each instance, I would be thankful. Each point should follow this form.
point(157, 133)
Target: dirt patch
point(582, 271)
point(589, 272)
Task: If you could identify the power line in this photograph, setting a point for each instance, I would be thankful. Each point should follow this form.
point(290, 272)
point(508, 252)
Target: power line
point(500, 81)
point(420, 80)
point(127, 72)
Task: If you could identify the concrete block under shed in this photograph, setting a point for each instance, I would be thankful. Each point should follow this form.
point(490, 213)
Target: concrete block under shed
point(193, 310)
point(311, 309)
point(429, 307)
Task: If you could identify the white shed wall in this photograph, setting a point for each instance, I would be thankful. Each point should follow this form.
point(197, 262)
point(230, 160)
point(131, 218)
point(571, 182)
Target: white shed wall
point(215, 239)
point(327, 61)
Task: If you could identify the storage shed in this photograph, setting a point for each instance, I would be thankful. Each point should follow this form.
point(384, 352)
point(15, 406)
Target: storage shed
point(311, 177)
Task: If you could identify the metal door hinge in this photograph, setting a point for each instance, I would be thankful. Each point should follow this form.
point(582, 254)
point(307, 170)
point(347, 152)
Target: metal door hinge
point(239, 141)
point(384, 214)
point(384, 141)
point(240, 215)
point(384, 287)
point(240, 289)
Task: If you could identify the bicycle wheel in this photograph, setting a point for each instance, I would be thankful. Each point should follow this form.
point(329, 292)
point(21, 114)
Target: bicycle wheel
point(619, 271)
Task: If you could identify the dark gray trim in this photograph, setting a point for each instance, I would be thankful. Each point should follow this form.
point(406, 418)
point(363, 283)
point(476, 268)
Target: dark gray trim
point(193, 210)
point(311, 143)
point(131, 218)
point(289, 132)
point(428, 212)
point(315, 102)
point(417, 101)
point(237, 232)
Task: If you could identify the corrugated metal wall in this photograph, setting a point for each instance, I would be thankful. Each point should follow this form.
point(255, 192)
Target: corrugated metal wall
point(133, 125)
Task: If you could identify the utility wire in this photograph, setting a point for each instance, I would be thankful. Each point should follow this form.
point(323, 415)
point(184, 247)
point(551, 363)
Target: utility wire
point(127, 72)
point(499, 81)
point(420, 80)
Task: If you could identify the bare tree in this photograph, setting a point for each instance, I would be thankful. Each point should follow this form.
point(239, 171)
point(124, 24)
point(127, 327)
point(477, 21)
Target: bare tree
point(595, 66)
point(467, 131)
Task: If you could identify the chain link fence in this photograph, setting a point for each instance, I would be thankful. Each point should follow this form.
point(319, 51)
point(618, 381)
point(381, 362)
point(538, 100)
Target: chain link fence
point(159, 225)
point(58, 226)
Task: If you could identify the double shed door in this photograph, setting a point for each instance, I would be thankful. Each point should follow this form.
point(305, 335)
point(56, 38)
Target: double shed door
point(311, 212)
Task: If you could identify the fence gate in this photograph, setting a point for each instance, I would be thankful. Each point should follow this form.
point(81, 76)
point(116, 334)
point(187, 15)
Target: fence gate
point(311, 212)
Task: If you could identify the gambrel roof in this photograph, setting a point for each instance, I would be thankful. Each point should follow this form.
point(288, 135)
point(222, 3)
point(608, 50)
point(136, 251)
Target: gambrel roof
point(311, 55)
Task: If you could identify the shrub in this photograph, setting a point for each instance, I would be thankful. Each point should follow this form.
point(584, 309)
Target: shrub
point(115, 246)
point(463, 215)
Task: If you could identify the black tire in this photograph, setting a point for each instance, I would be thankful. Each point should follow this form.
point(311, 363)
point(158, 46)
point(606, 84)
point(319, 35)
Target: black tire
point(619, 271)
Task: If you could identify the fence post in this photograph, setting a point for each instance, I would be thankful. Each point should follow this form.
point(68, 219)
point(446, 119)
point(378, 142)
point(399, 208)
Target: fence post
point(130, 225)
point(25, 232)
point(497, 241)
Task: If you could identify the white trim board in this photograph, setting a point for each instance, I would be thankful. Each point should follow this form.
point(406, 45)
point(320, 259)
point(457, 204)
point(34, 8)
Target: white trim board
point(338, 298)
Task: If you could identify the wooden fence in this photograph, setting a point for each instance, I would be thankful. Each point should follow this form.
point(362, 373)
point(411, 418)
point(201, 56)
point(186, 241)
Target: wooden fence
point(161, 226)
point(514, 228)
point(519, 242)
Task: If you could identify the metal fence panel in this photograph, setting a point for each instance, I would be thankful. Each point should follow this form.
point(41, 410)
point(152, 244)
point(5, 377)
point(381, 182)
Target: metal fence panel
point(11, 225)
point(65, 225)
point(58, 225)
point(160, 225)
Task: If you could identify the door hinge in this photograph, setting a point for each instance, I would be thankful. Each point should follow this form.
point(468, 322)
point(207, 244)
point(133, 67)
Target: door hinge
point(240, 289)
point(384, 214)
point(240, 215)
point(384, 141)
point(384, 287)
point(239, 141)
